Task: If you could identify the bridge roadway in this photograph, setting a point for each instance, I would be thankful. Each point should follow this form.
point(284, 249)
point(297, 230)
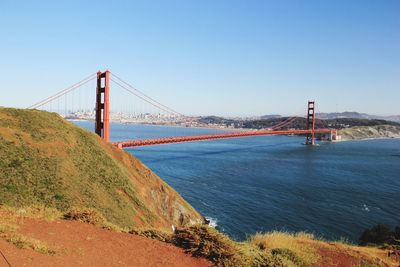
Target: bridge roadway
point(181, 139)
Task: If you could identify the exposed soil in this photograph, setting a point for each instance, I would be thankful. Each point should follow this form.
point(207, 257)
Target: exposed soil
point(335, 258)
point(80, 244)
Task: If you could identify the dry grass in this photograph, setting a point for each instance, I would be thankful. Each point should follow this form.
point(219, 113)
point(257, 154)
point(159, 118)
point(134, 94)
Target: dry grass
point(203, 241)
point(293, 246)
point(7, 228)
point(156, 234)
point(85, 215)
point(269, 249)
point(374, 256)
point(9, 233)
point(24, 242)
point(304, 249)
point(33, 211)
point(40, 212)
point(91, 216)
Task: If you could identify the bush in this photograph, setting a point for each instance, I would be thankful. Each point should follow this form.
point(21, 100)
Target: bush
point(203, 241)
point(85, 215)
point(288, 255)
point(379, 234)
point(397, 233)
point(153, 234)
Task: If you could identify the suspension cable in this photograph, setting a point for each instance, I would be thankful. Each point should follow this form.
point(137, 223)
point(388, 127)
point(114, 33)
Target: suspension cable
point(283, 123)
point(63, 92)
point(144, 99)
point(146, 96)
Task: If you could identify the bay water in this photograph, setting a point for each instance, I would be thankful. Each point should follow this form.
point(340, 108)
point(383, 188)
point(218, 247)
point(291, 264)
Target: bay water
point(265, 183)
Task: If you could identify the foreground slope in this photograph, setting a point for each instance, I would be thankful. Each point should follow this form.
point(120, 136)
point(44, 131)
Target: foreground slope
point(48, 161)
point(39, 237)
point(26, 241)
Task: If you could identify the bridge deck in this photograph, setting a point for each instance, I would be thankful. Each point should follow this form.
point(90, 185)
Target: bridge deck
point(180, 139)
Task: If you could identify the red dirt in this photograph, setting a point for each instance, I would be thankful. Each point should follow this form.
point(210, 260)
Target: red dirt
point(330, 257)
point(80, 244)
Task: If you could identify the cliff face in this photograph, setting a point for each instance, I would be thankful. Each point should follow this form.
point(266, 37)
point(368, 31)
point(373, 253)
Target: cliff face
point(370, 132)
point(48, 161)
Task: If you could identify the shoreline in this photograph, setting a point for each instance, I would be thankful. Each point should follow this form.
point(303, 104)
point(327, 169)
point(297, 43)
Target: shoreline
point(367, 139)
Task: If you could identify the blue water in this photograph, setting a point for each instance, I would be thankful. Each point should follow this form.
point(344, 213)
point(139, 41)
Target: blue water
point(253, 184)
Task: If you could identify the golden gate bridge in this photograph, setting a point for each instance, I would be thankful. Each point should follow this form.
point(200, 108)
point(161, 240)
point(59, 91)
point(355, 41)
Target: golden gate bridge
point(102, 110)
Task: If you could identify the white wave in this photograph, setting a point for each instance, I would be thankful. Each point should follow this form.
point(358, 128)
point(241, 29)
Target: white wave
point(212, 221)
point(365, 207)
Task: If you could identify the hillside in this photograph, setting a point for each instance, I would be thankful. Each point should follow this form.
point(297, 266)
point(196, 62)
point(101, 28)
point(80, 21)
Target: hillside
point(45, 160)
point(370, 132)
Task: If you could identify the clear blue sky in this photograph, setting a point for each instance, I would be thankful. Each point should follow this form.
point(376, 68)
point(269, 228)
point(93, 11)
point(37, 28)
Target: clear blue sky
point(209, 57)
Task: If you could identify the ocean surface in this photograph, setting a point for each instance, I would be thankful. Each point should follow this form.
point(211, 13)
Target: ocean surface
point(264, 183)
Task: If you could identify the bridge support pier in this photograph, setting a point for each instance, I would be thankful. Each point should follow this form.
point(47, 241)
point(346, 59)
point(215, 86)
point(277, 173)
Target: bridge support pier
point(102, 125)
point(310, 123)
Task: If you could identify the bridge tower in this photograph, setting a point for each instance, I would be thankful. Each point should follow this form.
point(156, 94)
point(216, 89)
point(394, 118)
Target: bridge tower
point(102, 124)
point(310, 123)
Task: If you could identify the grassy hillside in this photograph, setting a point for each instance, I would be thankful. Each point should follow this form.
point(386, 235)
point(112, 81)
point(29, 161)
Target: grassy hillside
point(48, 161)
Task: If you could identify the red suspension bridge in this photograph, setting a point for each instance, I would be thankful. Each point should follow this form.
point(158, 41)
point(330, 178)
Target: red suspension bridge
point(102, 110)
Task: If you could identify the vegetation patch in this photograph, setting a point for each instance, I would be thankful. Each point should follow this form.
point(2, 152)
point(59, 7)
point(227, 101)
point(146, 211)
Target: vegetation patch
point(85, 215)
point(9, 233)
point(23, 242)
point(293, 247)
point(287, 255)
point(153, 234)
point(6, 228)
point(380, 234)
point(91, 216)
point(203, 241)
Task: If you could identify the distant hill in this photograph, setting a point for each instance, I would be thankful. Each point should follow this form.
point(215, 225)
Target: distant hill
point(48, 161)
point(324, 120)
point(218, 120)
point(272, 116)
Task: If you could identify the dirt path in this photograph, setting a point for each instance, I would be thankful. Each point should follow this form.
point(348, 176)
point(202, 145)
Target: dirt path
point(80, 244)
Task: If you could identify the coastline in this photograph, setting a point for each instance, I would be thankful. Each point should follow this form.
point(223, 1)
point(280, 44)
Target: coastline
point(367, 139)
